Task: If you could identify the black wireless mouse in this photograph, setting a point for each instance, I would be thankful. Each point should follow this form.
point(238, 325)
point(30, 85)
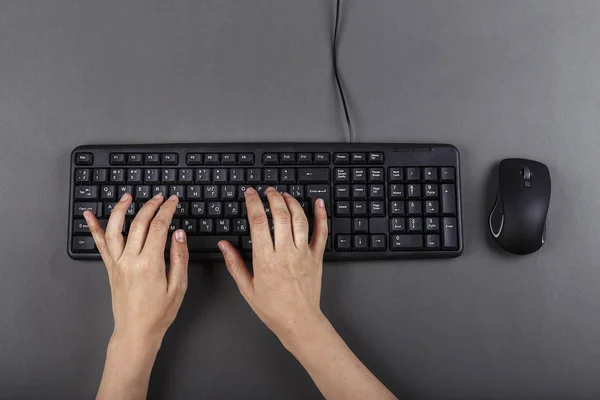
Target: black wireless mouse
point(518, 220)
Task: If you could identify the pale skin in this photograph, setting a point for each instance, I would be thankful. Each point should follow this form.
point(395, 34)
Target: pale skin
point(284, 291)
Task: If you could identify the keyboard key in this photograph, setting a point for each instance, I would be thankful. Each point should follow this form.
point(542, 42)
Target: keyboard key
point(314, 192)
point(414, 208)
point(246, 243)
point(131, 210)
point(159, 189)
point(134, 176)
point(450, 233)
point(135, 159)
point(358, 158)
point(378, 243)
point(376, 209)
point(240, 226)
point(174, 225)
point(100, 176)
point(413, 191)
point(376, 192)
point(83, 244)
point(430, 174)
point(203, 176)
point(288, 158)
point(223, 226)
point(124, 189)
point(209, 244)
point(95, 208)
point(305, 158)
point(397, 225)
point(396, 175)
point(205, 226)
point(321, 158)
point(431, 191)
point(151, 176)
point(359, 175)
point(237, 175)
point(341, 158)
point(431, 207)
point(341, 175)
point(359, 208)
point(432, 242)
point(117, 175)
point(108, 207)
point(343, 242)
point(447, 174)
point(182, 209)
point(211, 192)
point(415, 225)
point(288, 175)
point(270, 175)
point(84, 159)
point(359, 192)
point(190, 226)
point(232, 209)
point(313, 175)
point(361, 243)
point(219, 175)
point(228, 159)
point(246, 159)
point(406, 242)
point(281, 188)
point(270, 159)
point(198, 209)
point(142, 192)
point(80, 226)
point(432, 225)
point(396, 191)
point(413, 174)
point(376, 175)
point(86, 192)
point(108, 192)
point(215, 209)
point(194, 158)
point(254, 175)
point(449, 199)
point(228, 192)
point(360, 225)
point(212, 159)
point(152, 159)
point(396, 208)
point(177, 190)
point(297, 191)
point(375, 158)
point(342, 192)
point(342, 209)
point(117, 158)
point(186, 175)
point(169, 175)
point(82, 175)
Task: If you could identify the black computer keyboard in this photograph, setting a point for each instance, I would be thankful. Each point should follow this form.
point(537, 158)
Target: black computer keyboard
point(385, 201)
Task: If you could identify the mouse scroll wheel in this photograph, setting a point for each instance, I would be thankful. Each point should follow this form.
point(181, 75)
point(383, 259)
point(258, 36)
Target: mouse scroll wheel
point(526, 173)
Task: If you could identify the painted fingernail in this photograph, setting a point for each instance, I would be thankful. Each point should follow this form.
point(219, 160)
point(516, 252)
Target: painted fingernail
point(321, 203)
point(250, 191)
point(180, 235)
point(158, 196)
point(222, 247)
point(286, 194)
point(125, 197)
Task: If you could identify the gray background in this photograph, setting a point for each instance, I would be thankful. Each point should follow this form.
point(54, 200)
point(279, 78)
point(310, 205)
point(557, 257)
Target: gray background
point(496, 78)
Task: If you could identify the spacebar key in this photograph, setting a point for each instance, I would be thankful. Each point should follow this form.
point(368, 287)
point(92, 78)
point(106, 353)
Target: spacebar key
point(205, 244)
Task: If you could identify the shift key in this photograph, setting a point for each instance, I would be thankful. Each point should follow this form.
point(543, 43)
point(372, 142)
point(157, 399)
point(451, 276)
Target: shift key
point(450, 231)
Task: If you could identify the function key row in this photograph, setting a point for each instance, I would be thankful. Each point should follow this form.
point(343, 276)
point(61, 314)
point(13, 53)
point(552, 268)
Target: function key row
point(171, 159)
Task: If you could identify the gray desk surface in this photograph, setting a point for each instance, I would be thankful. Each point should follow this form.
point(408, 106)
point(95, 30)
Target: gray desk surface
point(496, 78)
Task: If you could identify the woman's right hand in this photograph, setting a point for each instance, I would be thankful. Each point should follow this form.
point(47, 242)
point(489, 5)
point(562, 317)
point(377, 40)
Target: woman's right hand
point(285, 290)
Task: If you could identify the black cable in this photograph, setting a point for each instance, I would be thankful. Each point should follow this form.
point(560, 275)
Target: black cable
point(336, 72)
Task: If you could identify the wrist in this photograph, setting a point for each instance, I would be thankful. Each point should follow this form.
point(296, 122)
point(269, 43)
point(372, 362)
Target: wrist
point(135, 344)
point(301, 337)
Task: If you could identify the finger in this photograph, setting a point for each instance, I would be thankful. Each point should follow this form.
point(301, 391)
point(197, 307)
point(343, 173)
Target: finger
point(98, 235)
point(139, 226)
point(299, 221)
point(159, 227)
point(178, 266)
point(321, 231)
point(282, 220)
point(259, 225)
point(114, 229)
point(237, 268)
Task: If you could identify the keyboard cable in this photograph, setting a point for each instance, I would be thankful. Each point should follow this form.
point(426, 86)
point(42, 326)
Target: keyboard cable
point(336, 72)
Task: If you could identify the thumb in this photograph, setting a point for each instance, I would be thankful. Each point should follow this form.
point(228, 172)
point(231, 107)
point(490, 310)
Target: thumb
point(178, 270)
point(237, 268)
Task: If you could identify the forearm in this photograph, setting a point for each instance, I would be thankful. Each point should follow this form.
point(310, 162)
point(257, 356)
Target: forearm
point(334, 368)
point(127, 369)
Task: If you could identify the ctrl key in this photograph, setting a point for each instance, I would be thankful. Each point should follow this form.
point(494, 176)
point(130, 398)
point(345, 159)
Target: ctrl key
point(83, 244)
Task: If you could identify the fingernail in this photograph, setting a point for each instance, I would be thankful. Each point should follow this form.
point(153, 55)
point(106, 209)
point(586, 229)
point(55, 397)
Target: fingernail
point(222, 247)
point(85, 214)
point(174, 197)
point(286, 194)
point(158, 196)
point(125, 197)
point(321, 203)
point(270, 189)
point(250, 191)
point(180, 235)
